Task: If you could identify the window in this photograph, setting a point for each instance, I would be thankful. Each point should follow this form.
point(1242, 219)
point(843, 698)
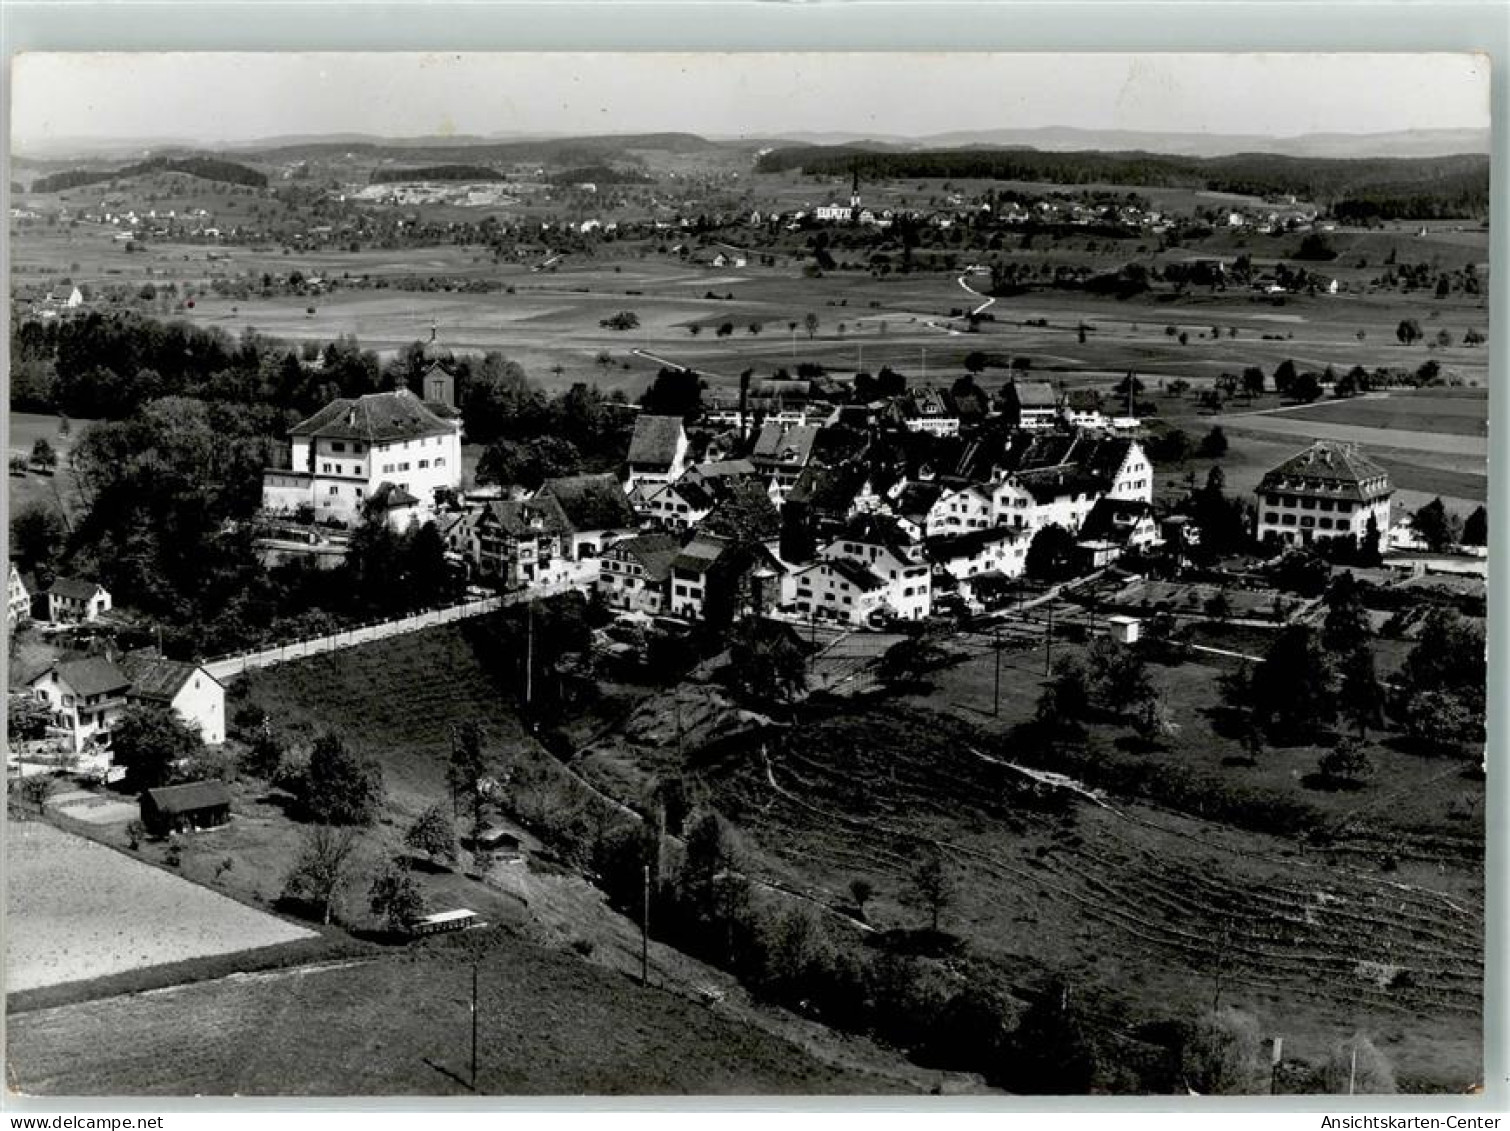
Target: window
point(1272, 500)
point(424, 463)
point(335, 489)
point(404, 467)
point(1289, 520)
point(1271, 518)
point(337, 446)
point(1307, 504)
point(1325, 524)
point(1326, 504)
point(1307, 521)
point(440, 461)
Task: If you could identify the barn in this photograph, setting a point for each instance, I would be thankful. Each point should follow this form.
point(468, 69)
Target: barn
point(186, 808)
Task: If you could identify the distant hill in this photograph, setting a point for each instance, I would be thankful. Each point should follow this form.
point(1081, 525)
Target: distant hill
point(206, 168)
point(436, 173)
point(1413, 188)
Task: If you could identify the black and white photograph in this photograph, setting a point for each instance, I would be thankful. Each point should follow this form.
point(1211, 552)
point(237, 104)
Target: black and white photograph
point(747, 574)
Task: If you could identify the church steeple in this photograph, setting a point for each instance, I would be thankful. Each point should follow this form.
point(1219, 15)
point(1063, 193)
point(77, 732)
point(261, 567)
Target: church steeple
point(854, 189)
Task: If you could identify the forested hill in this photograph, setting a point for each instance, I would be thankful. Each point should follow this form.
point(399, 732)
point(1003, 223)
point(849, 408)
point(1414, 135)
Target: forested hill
point(206, 168)
point(1406, 187)
point(437, 173)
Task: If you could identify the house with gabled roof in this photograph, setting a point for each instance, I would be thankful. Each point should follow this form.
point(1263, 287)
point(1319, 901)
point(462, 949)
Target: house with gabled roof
point(1115, 527)
point(976, 553)
point(677, 506)
point(176, 685)
point(71, 600)
point(343, 455)
point(635, 574)
point(781, 453)
point(521, 542)
point(18, 595)
point(597, 510)
point(1032, 405)
point(86, 697)
point(657, 450)
point(882, 547)
point(839, 589)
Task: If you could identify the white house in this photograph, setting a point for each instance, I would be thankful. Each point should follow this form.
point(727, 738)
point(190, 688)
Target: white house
point(959, 509)
point(86, 697)
point(341, 456)
point(1329, 491)
point(657, 451)
point(839, 589)
point(635, 573)
point(196, 695)
point(907, 588)
point(965, 556)
point(68, 599)
point(17, 599)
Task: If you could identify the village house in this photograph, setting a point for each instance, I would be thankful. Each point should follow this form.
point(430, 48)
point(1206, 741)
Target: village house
point(1081, 408)
point(1031, 405)
point(188, 689)
point(18, 597)
point(71, 601)
point(897, 563)
point(635, 573)
point(1329, 491)
point(929, 410)
point(596, 509)
point(977, 553)
point(839, 589)
point(1115, 527)
point(957, 509)
point(781, 453)
point(657, 451)
point(343, 455)
point(520, 542)
point(677, 506)
point(86, 697)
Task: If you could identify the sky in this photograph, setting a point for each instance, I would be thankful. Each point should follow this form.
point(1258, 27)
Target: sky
point(208, 98)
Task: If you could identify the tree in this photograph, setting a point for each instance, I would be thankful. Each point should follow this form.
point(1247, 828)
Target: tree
point(1356, 1067)
point(933, 888)
point(1051, 554)
point(264, 755)
point(1253, 381)
point(37, 536)
point(1476, 528)
point(1306, 387)
point(396, 897)
point(766, 661)
point(37, 789)
point(1432, 523)
point(1291, 691)
point(1116, 675)
point(1284, 377)
point(1051, 1051)
point(1360, 697)
point(150, 742)
point(1346, 626)
point(810, 324)
point(674, 392)
point(1448, 656)
point(1345, 764)
point(340, 787)
point(1440, 721)
point(43, 455)
point(322, 868)
point(1213, 444)
point(467, 771)
point(1223, 1054)
point(623, 320)
point(433, 834)
point(909, 660)
point(1152, 719)
point(1408, 331)
point(860, 890)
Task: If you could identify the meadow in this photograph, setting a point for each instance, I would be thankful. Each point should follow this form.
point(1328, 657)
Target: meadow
point(76, 911)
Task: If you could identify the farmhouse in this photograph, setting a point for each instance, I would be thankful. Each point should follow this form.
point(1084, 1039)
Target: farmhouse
point(999, 550)
point(898, 564)
point(70, 600)
point(520, 542)
point(839, 589)
point(657, 450)
point(597, 512)
point(343, 455)
point(1331, 490)
point(191, 807)
point(782, 453)
point(86, 697)
point(1029, 404)
point(635, 573)
point(196, 695)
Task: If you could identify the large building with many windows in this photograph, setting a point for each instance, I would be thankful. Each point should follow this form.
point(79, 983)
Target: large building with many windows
point(1326, 492)
point(344, 455)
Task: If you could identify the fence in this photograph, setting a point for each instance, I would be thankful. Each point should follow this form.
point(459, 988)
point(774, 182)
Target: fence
point(227, 667)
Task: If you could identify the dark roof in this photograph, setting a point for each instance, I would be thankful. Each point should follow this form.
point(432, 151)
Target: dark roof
point(654, 552)
point(524, 518)
point(591, 502)
point(1030, 394)
point(875, 530)
point(1336, 468)
point(700, 554)
point(1112, 520)
point(655, 440)
point(1083, 400)
point(791, 447)
point(1050, 483)
point(190, 797)
point(719, 469)
point(74, 589)
point(93, 676)
point(853, 572)
point(950, 546)
point(155, 678)
point(376, 418)
point(917, 499)
point(693, 493)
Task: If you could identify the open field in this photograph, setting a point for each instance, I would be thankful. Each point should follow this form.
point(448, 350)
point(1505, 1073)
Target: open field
point(76, 910)
point(1421, 412)
point(399, 1025)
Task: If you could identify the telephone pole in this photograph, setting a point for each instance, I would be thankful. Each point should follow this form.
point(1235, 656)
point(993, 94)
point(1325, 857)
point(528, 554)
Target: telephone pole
point(645, 932)
point(529, 652)
point(996, 680)
point(1048, 643)
point(474, 1025)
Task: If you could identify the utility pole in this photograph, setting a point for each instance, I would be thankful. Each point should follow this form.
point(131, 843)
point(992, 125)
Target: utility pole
point(529, 652)
point(474, 1025)
point(996, 681)
point(645, 932)
point(1048, 643)
point(1352, 1072)
point(1274, 1059)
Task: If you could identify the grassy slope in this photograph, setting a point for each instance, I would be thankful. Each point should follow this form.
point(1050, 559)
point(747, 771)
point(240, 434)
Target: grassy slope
point(549, 1024)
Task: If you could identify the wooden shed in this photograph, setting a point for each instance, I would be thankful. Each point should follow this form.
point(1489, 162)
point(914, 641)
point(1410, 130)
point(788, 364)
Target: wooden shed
point(186, 808)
